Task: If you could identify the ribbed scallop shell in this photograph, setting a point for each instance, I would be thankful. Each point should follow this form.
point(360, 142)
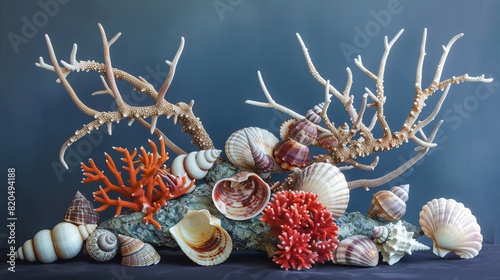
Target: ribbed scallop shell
point(357, 250)
point(452, 228)
point(238, 149)
point(290, 154)
point(394, 241)
point(242, 196)
point(81, 211)
point(328, 181)
point(202, 239)
point(389, 205)
point(195, 164)
point(102, 245)
point(137, 253)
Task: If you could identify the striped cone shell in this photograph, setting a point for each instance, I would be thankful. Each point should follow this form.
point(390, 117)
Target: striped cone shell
point(81, 211)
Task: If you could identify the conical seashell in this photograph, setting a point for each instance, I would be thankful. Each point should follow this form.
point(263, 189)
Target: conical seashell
point(101, 245)
point(290, 154)
point(264, 163)
point(137, 253)
point(81, 211)
point(395, 242)
point(195, 165)
point(64, 241)
point(202, 239)
point(326, 180)
point(390, 205)
point(242, 196)
point(239, 152)
point(452, 228)
point(357, 250)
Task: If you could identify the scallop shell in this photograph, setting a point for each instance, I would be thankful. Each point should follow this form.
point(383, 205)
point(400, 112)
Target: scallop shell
point(137, 253)
point(64, 241)
point(389, 205)
point(290, 154)
point(395, 241)
point(326, 180)
point(452, 228)
point(195, 165)
point(102, 245)
point(239, 152)
point(356, 250)
point(81, 211)
point(242, 196)
point(202, 239)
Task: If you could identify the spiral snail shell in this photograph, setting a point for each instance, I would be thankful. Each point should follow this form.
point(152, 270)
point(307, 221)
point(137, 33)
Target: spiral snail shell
point(195, 165)
point(389, 205)
point(101, 245)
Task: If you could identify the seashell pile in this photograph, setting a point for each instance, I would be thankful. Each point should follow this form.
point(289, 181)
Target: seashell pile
point(452, 228)
point(195, 165)
point(390, 205)
point(102, 245)
point(394, 241)
point(356, 250)
point(202, 238)
point(137, 253)
point(242, 196)
point(328, 181)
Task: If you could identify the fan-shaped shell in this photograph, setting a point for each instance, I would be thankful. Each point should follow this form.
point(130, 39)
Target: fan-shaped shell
point(81, 211)
point(239, 152)
point(195, 164)
point(102, 245)
point(137, 253)
point(290, 154)
point(242, 196)
point(202, 239)
point(452, 228)
point(329, 183)
point(389, 205)
point(357, 250)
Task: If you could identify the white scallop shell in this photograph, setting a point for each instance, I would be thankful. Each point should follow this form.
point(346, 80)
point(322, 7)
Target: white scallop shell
point(242, 196)
point(356, 250)
point(64, 241)
point(137, 253)
point(195, 164)
point(238, 148)
point(394, 241)
point(202, 239)
point(328, 181)
point(452, 228)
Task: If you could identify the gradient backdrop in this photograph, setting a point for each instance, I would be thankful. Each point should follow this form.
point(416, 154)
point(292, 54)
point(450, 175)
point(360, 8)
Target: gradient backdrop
point(227, 41)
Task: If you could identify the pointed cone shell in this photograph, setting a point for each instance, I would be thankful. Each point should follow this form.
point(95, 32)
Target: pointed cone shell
point(329, 183)
point(238, 148)
point(390, 205)
point(137, 253)
point(452, 228)
point(102, 245)
point(81, 211)
point(195, 164)
point(242, 196)
point(398, 243)
point(202, 239)
point(356, 250)
point(264, 163)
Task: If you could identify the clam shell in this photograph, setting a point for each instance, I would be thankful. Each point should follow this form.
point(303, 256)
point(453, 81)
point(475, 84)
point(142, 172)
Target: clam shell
point(452, 228)
point(290, 154)
point(102, 245)
point(238, 149)
point(202, 239)
point(195, 165)
point(389, 205)
point(81, 211)
point(356, 250)
point(242, 196)
point(329, 183)
point(137, 253)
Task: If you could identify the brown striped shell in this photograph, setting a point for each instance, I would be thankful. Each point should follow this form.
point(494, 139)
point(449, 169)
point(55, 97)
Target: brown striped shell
point(356, 250)
point(389, 205)
point(81, 211)
point(136, 253)
point(290, 154)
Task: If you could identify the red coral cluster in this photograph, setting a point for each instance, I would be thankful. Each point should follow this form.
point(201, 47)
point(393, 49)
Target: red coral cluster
point(149, 183)
point(304, 227)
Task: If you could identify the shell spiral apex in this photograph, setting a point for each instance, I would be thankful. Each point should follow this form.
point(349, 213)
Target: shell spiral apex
point(195, 164)
point(102, 245)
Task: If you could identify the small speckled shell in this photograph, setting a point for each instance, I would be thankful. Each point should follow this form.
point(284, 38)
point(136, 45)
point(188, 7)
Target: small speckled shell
point(356, 250)
point(81, 211)
point(137, 253)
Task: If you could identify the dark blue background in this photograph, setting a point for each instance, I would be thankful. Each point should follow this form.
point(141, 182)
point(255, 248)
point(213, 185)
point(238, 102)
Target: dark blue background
point(218, 69)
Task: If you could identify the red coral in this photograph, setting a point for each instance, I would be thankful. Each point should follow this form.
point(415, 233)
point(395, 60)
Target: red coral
point(291, 214)
point(147, 192)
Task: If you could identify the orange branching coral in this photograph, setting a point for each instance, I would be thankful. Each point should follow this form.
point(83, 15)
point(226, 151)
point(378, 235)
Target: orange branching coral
point(148, 187)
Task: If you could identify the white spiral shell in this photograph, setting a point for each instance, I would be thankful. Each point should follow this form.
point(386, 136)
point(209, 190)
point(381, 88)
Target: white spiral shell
point(195, 164)
point(64, 241)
